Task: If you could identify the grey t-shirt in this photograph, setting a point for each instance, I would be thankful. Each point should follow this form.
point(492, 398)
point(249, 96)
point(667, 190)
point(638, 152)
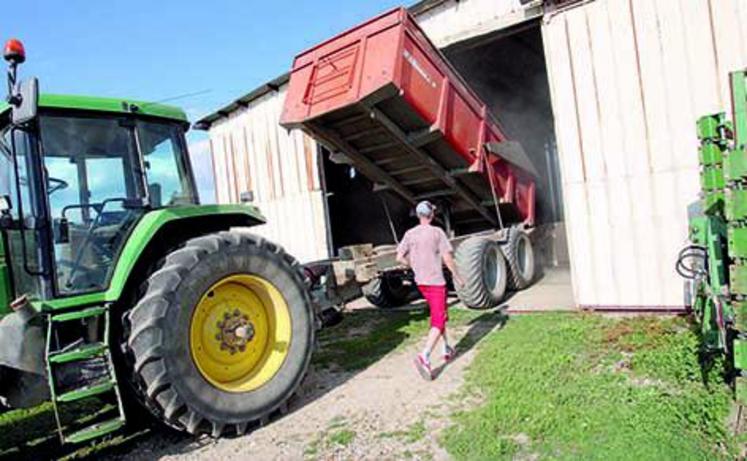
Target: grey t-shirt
point(424, 246)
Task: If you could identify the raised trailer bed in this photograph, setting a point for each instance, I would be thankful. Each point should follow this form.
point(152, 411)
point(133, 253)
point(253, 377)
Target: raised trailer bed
point(385, 100)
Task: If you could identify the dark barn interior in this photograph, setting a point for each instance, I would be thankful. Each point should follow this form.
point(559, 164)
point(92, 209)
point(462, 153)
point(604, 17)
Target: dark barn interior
point(507, 69)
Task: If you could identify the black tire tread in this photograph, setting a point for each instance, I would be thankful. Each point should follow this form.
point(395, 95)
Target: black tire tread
point(469, 262)
point(515, 279)
point(149, 317)
point(377, 293)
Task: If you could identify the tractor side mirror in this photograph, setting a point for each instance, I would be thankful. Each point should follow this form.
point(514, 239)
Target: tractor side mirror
point(6, 220)
point(61, 231)
point(5, 205)
point(28, 93)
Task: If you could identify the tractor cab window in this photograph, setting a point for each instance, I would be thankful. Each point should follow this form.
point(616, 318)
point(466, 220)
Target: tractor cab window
point(6, 167)
point(24, 210)
point(165, 158)
point(94, 189)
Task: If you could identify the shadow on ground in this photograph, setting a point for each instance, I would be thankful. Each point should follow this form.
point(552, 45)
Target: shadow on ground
point(363, 338)
point(478, 329)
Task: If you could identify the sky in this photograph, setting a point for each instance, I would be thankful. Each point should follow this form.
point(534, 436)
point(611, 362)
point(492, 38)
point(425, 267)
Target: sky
point(153, 50)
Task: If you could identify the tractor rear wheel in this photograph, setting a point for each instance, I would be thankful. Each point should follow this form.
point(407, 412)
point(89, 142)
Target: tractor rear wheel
point(222, 335)
point(483, 270)
point(519, 256)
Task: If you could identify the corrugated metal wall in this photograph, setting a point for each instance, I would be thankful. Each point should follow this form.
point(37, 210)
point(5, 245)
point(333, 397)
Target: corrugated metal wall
point(454, 21)
point(628, 80)
point(252, 152)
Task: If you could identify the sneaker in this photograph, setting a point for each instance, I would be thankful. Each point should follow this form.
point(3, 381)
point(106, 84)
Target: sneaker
point(423, 367)
point(449, 354)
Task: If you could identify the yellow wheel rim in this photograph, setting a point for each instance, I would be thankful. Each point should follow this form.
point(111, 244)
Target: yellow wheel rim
point(240, 333)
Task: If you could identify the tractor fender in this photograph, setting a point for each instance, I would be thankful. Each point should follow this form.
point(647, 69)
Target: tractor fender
point(160, 229)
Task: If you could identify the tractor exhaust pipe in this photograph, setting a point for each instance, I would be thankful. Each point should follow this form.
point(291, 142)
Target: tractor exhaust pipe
point(23, 308)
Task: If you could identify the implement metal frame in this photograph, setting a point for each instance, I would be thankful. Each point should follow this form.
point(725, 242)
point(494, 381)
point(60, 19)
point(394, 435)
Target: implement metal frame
point(719, 235)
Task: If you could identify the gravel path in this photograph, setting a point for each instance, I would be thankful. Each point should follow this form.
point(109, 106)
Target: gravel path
point(384, 411)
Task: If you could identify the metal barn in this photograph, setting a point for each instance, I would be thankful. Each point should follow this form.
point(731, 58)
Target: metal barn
point(603, 94)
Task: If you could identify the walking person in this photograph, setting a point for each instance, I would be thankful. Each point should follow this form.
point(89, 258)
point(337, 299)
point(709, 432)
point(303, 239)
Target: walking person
point(426, 249)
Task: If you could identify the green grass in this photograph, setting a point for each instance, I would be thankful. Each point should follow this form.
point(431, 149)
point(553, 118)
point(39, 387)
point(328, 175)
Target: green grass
point(336, 435)
point(343, 437)
point(32, 433)
point(34, 430)
point(365, 336)
point(558, 386)
point(415, 432)
point(551, 386)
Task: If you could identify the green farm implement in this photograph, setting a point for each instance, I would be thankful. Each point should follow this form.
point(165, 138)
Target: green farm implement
point(715, 261)
point(115, 283)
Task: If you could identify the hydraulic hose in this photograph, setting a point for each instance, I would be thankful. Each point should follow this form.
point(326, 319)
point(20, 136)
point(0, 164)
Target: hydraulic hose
point(694, 270)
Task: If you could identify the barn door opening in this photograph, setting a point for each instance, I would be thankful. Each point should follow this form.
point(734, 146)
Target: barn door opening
point(507, 70)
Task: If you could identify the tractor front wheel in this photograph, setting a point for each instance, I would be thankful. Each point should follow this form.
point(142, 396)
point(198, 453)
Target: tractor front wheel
point(222, 335)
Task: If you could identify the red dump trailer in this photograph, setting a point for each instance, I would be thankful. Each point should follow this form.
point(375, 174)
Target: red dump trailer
point(384, 99)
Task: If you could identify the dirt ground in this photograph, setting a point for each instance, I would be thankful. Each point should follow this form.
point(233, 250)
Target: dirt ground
point(362, 398)
point(378, 409)
point(383, 411)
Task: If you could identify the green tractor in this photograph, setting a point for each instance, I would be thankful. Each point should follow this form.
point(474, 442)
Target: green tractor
point(116, 285)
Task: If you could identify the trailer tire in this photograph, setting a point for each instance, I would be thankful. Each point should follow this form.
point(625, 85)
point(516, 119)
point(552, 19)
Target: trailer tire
point(519, 255)
point(208, 290)
point(482, 268)
point(387, 291)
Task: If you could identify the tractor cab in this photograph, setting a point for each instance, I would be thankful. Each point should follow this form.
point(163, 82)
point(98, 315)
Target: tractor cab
point(76, 175)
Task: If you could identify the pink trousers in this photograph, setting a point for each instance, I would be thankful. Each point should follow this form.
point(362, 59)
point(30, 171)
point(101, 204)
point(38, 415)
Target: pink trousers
point(435, 295)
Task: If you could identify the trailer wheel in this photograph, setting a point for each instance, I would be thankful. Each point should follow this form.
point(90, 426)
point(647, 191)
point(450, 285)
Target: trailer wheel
point(222, 335)
point(387, 291)
point(519, 255)
point(482, 267)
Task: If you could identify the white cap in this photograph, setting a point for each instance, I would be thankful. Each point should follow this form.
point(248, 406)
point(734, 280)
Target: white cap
point(425, 209)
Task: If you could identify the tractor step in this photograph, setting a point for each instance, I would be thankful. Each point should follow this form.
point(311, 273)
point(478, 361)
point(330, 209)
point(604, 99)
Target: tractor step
point(85, 313)
point(97, 430)
point(96, 317)
point(85, 392)
point(81, 353)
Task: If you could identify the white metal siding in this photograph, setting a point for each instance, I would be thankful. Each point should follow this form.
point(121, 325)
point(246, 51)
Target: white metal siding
point(628, 80)
point(455, 21)
point(252, 152)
